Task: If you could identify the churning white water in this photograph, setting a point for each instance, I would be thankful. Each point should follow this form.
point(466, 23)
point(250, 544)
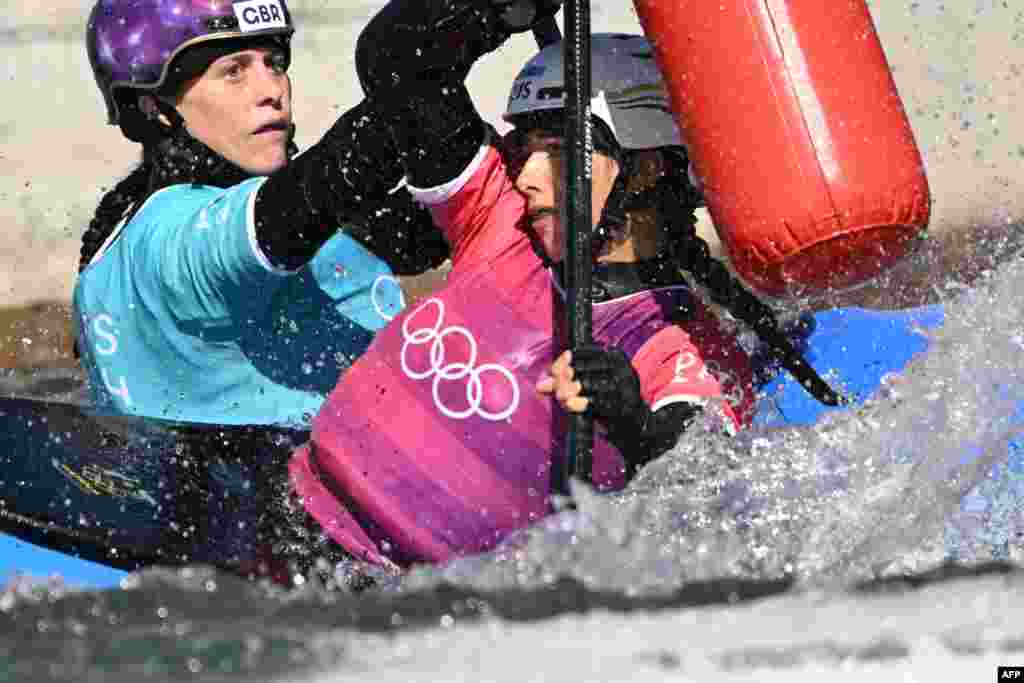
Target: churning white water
point(777, 554)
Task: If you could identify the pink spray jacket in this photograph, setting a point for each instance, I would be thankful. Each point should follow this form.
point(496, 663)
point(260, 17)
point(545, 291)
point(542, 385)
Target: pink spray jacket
point(435, 443)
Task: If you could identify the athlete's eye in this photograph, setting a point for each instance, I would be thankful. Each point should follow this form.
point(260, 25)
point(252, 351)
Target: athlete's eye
point(232, 70)
point(514, 149)
point(554, 146)
point(547, 140)
point(278, 61)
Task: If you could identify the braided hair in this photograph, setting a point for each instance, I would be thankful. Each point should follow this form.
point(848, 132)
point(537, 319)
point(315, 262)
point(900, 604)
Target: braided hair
point(113, 208)
point(676, 199)
point(170, 156)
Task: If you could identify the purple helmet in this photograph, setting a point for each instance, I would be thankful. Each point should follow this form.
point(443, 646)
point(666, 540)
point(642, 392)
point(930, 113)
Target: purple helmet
point(132, 43)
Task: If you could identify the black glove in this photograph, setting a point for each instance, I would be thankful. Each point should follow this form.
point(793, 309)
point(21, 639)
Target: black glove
point(344, 182)
point(522, 15)
point(410, 42)
point(412, 59)
point(612, 388)
point(610, 385)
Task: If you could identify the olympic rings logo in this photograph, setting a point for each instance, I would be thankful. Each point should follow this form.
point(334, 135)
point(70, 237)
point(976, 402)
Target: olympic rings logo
point(439, 370)
point(376, 297)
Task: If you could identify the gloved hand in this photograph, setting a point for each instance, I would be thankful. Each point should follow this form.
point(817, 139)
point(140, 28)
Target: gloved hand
point(610, 385)
point(522, 15)
point(609, 389)
point(410, 41)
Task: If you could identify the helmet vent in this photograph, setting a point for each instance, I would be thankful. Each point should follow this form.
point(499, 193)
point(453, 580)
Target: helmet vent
point(222, 23)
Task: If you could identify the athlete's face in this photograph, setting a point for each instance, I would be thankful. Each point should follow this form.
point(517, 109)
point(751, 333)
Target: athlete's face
point(538, 176)
point(241, 108)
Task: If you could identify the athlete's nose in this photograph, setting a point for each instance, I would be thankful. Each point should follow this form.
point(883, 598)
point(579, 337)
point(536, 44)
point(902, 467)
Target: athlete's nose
point(272, 86)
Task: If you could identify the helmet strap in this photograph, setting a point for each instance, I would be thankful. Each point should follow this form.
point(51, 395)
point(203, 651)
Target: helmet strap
point(614, 223)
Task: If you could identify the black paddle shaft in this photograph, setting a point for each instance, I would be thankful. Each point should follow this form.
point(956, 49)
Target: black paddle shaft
point(576, 215)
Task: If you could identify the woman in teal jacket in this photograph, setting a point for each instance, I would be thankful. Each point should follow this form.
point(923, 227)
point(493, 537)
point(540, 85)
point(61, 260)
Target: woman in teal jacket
point(223, 280)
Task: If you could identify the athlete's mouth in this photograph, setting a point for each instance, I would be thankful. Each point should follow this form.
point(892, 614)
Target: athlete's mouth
point(534, 216)
point(279, 125)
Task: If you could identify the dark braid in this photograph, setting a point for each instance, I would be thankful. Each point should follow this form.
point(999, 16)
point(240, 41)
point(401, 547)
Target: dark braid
point(170, 156)
point(694, 256)
point(676, 202)
point(180, 159)
point(113, 207)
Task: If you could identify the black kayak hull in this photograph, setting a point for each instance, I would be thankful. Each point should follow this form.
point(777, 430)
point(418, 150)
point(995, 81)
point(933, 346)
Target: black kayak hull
point(132, 492)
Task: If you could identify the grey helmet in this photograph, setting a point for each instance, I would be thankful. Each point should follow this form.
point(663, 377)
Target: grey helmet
point(627, 90)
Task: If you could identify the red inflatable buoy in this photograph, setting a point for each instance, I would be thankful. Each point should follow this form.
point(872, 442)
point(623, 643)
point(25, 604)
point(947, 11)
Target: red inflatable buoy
point(794, 126)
